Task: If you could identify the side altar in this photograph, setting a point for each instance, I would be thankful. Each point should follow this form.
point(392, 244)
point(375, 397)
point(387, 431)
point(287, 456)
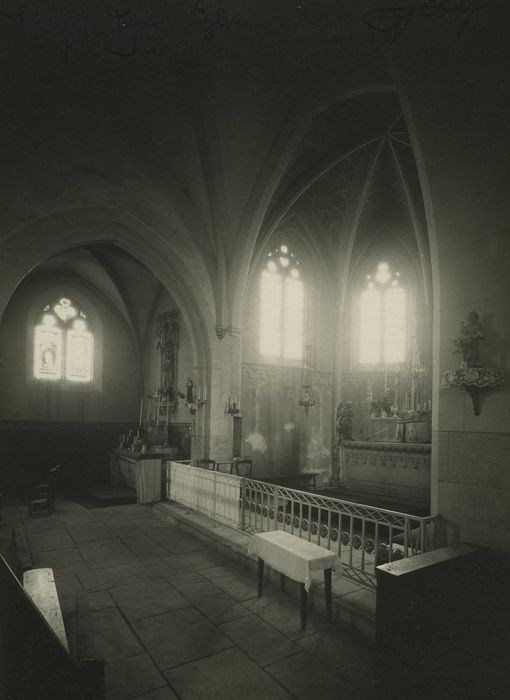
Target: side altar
point(143, 472)
point(399, 470)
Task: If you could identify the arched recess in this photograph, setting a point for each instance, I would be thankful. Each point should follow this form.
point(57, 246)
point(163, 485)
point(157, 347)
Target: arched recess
point(43, 238)
point(273, 172)
point(185, 278)
point(274, 416)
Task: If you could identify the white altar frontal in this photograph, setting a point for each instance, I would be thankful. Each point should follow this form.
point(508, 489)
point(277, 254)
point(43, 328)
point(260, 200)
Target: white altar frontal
point(142, 472)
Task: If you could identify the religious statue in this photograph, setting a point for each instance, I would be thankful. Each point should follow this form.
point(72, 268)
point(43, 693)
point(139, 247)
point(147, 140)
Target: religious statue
point(189, 390)
point(467, 344)
point(344, 421)
point(167, 342)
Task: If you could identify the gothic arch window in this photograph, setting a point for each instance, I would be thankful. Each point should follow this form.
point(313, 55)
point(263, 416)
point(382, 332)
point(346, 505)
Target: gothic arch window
point(383, 318)
point(63, 344)
point(282, 306)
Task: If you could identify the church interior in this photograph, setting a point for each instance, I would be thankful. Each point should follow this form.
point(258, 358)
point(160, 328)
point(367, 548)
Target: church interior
point(266, 246)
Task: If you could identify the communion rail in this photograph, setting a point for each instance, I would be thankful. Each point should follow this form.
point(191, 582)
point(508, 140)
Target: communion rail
point(363, 536)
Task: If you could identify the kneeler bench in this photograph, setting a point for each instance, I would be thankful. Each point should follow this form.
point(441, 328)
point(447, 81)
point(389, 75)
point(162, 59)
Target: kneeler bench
point(34, 650)
point(40, 586)
point(294, 558)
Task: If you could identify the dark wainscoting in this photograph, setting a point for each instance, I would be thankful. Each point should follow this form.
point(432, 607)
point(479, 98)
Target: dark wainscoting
point(29, 448)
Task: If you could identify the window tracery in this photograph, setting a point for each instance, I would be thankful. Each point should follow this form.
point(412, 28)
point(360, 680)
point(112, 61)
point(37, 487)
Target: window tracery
point(282, 305)
point(382, 336)
point(63, 344)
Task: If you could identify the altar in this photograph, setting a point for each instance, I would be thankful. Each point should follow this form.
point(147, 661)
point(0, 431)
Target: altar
point(143, 472)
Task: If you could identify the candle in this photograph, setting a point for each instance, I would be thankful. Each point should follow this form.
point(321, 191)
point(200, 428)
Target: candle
point(141, 409)
point(205, 392)
point(430, 405)
point(199, 393)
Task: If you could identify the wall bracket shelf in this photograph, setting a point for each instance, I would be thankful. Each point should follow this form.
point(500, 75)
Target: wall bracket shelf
point(473, 380)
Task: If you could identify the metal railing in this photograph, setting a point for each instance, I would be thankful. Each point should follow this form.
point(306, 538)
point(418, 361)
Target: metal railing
point(362, 535)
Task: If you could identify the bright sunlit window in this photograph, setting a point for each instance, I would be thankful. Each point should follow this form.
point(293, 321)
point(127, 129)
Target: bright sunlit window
point(63, 344)
point(281, 306)
point(382, 318)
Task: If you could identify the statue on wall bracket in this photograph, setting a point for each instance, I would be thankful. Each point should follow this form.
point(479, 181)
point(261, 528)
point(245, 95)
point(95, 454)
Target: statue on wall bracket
point(167, 342)
point(468, 343)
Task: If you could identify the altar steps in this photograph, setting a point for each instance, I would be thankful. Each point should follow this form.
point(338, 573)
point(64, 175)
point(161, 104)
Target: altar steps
point(104, 496)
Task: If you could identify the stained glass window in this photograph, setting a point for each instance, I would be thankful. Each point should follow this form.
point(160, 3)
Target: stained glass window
point(63, 345)
point(382, 335)
point(281, 306)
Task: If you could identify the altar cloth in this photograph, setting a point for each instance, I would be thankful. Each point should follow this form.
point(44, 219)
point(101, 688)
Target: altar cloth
point(292, 556)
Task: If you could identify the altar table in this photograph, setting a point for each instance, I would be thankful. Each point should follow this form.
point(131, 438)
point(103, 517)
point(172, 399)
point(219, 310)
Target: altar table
point(295, 558)
point(142, 472)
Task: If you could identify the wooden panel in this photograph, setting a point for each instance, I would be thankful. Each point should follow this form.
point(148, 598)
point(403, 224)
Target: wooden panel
point(40, 586)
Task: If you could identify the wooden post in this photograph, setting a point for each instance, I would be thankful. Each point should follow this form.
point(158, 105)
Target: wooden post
point(260, 580)
point(304, 598)
point(327, 593)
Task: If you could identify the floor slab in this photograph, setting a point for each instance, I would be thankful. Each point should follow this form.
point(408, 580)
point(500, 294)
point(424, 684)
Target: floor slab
point(113, 637)
point(259, 640)
point(336, 648)
point(147, 598)
point(180, 636)
point(130, 677)
point(221, 608)
point(283, 613)
point(194, 561)
point(193, 585)
point(165, 693)
point(229, 675)
point(308, 679)
point(240, 584)
point(50, 541)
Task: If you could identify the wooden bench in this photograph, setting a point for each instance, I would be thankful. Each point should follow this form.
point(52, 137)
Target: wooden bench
point(34, 651)
point(295, 558)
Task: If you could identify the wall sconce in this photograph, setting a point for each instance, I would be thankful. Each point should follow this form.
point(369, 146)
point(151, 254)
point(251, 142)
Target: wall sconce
point(232, 408)
point(200, 400)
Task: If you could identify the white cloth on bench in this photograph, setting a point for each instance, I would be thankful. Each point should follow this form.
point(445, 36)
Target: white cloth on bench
point(293, 556)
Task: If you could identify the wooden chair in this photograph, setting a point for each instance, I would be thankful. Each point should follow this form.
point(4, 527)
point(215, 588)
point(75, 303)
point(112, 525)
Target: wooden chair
point(43, 494)
point(39, 500)
point(207, 464)
point(244, 461)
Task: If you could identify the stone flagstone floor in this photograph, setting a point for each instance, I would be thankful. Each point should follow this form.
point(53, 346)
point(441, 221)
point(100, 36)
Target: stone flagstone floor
point(174, 619)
